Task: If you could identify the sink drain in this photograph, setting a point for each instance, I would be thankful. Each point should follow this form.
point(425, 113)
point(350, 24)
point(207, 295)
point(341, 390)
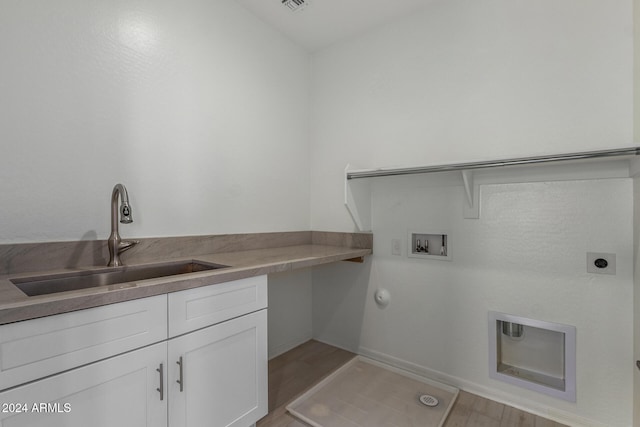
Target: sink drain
point(428, 400)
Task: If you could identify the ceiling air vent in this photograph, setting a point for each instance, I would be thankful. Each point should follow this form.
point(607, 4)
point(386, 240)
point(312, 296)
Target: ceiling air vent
point(296, 5)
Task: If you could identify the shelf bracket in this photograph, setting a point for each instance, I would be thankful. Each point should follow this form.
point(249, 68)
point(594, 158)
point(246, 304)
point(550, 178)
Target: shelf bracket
point(357, 199)
point(471, 208)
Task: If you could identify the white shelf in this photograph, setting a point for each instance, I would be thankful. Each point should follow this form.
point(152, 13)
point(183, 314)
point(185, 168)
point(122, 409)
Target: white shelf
point(619, 163)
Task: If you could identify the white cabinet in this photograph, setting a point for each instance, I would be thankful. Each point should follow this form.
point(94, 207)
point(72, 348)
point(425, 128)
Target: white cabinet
point(218, 375)
point(119, 391)
point(40, 347)
point(221, 380)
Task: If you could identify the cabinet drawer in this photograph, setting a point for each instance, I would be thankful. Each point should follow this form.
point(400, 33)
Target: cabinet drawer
point(197, 308)
point(40, 347)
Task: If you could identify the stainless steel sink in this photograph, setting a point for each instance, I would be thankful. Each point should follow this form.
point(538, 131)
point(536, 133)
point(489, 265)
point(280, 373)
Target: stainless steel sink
point(43, 285)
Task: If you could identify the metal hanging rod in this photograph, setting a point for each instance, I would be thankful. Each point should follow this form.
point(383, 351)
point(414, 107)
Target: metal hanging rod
point(371, 173)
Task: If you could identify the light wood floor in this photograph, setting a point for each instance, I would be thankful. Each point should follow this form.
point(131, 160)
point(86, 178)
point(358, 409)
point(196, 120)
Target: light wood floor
point(299, 369)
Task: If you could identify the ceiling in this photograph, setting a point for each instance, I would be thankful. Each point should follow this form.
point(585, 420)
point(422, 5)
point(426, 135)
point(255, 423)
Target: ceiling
point(324, 22)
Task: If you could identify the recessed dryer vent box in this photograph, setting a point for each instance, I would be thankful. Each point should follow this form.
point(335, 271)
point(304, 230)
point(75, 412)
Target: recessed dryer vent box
point(432, 245)
point(533, 354)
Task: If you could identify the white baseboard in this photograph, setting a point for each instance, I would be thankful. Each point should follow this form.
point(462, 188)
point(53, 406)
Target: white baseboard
point(553, 414)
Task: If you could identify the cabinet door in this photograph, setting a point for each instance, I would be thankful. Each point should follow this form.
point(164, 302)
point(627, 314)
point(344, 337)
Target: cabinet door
point(120, 391)
point(224, 374)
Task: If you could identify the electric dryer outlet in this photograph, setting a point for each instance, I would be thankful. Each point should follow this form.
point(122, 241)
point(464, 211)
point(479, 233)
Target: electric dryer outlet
point(601, 263)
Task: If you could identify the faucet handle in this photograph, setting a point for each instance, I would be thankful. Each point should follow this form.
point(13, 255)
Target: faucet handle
point(125, 245)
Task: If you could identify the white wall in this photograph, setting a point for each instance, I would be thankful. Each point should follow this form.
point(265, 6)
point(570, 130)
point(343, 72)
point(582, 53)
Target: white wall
point(636, 217)
point(465, 81)
point(636, 298)
point(471, 80)
point(290, 311)
point(198, 107)
point(525, 256)
point(339, 297)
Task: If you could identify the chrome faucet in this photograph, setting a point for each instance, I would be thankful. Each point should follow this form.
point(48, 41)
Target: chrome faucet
point(115, 243)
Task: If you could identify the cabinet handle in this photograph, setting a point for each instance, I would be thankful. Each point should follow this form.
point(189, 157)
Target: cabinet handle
point(161, 389)
point(181, 380)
